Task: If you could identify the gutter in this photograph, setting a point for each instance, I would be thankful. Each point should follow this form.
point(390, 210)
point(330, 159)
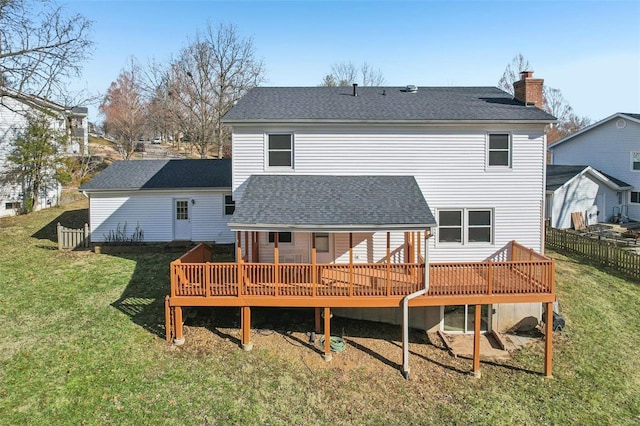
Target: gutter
point(405, 311)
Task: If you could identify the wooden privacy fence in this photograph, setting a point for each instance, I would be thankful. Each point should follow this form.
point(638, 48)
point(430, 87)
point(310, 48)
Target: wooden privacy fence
point(69, 238)
point(603, 252)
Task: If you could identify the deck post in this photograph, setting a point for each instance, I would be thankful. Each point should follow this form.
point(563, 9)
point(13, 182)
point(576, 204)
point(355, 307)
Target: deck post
point(245, 319)
point(318, 321)
point(476, 341)
point(276, 262)
point(548, 340)
point(239, 263)
point(314, 270)
point(327, 334)
point(179, 337)
point(167, 319)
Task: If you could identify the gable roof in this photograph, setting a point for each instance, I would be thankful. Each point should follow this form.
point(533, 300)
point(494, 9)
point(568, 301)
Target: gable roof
point(624, 115)
point(381, 104)
point(162, 174)
point(331, 203)
point(559, 175)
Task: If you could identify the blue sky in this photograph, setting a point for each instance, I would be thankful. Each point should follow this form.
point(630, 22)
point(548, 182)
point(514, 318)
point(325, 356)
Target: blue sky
point(590, 50)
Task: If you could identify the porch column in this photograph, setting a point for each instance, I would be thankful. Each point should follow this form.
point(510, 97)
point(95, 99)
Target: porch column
point(327, 335)
point(239, 246)
point(314, 270)
point(276, 261)
point(548, 340)
point(476, 341)
point(246, 246)
point(350, 264)
point(177, 318)
point(388, 264)
point(245, 319)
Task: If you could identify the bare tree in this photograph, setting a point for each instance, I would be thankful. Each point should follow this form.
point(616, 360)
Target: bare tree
point(347, 73)
point(552, 101)
point(125, 110)
point(512, 72)
point(205, 81)
point(41, 47)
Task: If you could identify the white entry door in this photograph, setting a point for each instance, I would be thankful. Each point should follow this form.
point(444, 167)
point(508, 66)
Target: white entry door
point(181, 220)
point(324, 247)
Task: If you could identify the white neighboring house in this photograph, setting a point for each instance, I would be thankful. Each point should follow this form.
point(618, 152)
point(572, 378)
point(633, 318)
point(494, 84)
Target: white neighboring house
point(167, 200)
point(71, 121)
point(476, 153)
point(582, 189)
point(612, 146)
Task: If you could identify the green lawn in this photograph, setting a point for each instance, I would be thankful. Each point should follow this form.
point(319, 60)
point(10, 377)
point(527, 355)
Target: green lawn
point(82, 343)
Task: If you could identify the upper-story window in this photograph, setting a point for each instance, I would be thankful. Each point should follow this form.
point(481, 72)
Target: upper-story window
point(229, 205)
point(635, 161)
point(499, 152)
point(280, 150)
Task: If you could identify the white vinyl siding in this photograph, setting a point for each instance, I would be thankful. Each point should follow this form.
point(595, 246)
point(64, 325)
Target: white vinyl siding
point(154, 213)
point(605, 147)
point(449, 166)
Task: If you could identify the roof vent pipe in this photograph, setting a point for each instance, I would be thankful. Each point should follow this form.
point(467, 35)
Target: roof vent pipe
point(355, 89)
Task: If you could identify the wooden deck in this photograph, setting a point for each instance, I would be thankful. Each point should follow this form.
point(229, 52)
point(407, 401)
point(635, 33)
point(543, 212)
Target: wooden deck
point(195, 282)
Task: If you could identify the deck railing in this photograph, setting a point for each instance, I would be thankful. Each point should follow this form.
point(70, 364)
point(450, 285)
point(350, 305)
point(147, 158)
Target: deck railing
point(535, 275)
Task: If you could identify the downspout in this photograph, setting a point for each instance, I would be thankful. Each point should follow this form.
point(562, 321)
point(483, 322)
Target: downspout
point(405, 310)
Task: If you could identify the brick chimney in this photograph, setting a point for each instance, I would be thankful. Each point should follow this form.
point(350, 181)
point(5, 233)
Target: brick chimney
point(528, 89)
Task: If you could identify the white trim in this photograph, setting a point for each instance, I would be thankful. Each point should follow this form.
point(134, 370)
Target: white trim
point(489, 167)
point(220, 190)
point(327, 228)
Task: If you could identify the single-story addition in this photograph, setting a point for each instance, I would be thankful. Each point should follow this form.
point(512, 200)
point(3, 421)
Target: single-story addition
point(161, 201)
point(583, 189)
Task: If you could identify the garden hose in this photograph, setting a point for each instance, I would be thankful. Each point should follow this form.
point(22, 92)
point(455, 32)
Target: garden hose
point(337, 344)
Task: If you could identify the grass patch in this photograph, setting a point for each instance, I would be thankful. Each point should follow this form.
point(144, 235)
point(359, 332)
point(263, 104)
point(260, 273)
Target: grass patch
point(82, 343)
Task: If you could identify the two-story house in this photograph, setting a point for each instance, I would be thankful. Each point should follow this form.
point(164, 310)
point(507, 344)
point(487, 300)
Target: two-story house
point(374, 200)
point(611, 146)
point(69, 121)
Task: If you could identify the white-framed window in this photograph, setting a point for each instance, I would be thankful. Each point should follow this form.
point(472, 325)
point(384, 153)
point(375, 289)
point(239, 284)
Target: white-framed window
point(635, 161)
point(283, 237)
point(229, 205)
point(280, 150)
point(499, 150)
point(635, 197)
point(465, 226)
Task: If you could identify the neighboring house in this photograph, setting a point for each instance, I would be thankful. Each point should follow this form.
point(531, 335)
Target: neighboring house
point(611, 146)
point(70, 121)
point(345, 195)
point(585, 190)
point(166, 200)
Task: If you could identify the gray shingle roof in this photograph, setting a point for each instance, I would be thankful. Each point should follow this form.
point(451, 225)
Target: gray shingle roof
point(381, 104)
point(277, 202)
point(558, 175)
point(636, 116)
point(162, 174)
